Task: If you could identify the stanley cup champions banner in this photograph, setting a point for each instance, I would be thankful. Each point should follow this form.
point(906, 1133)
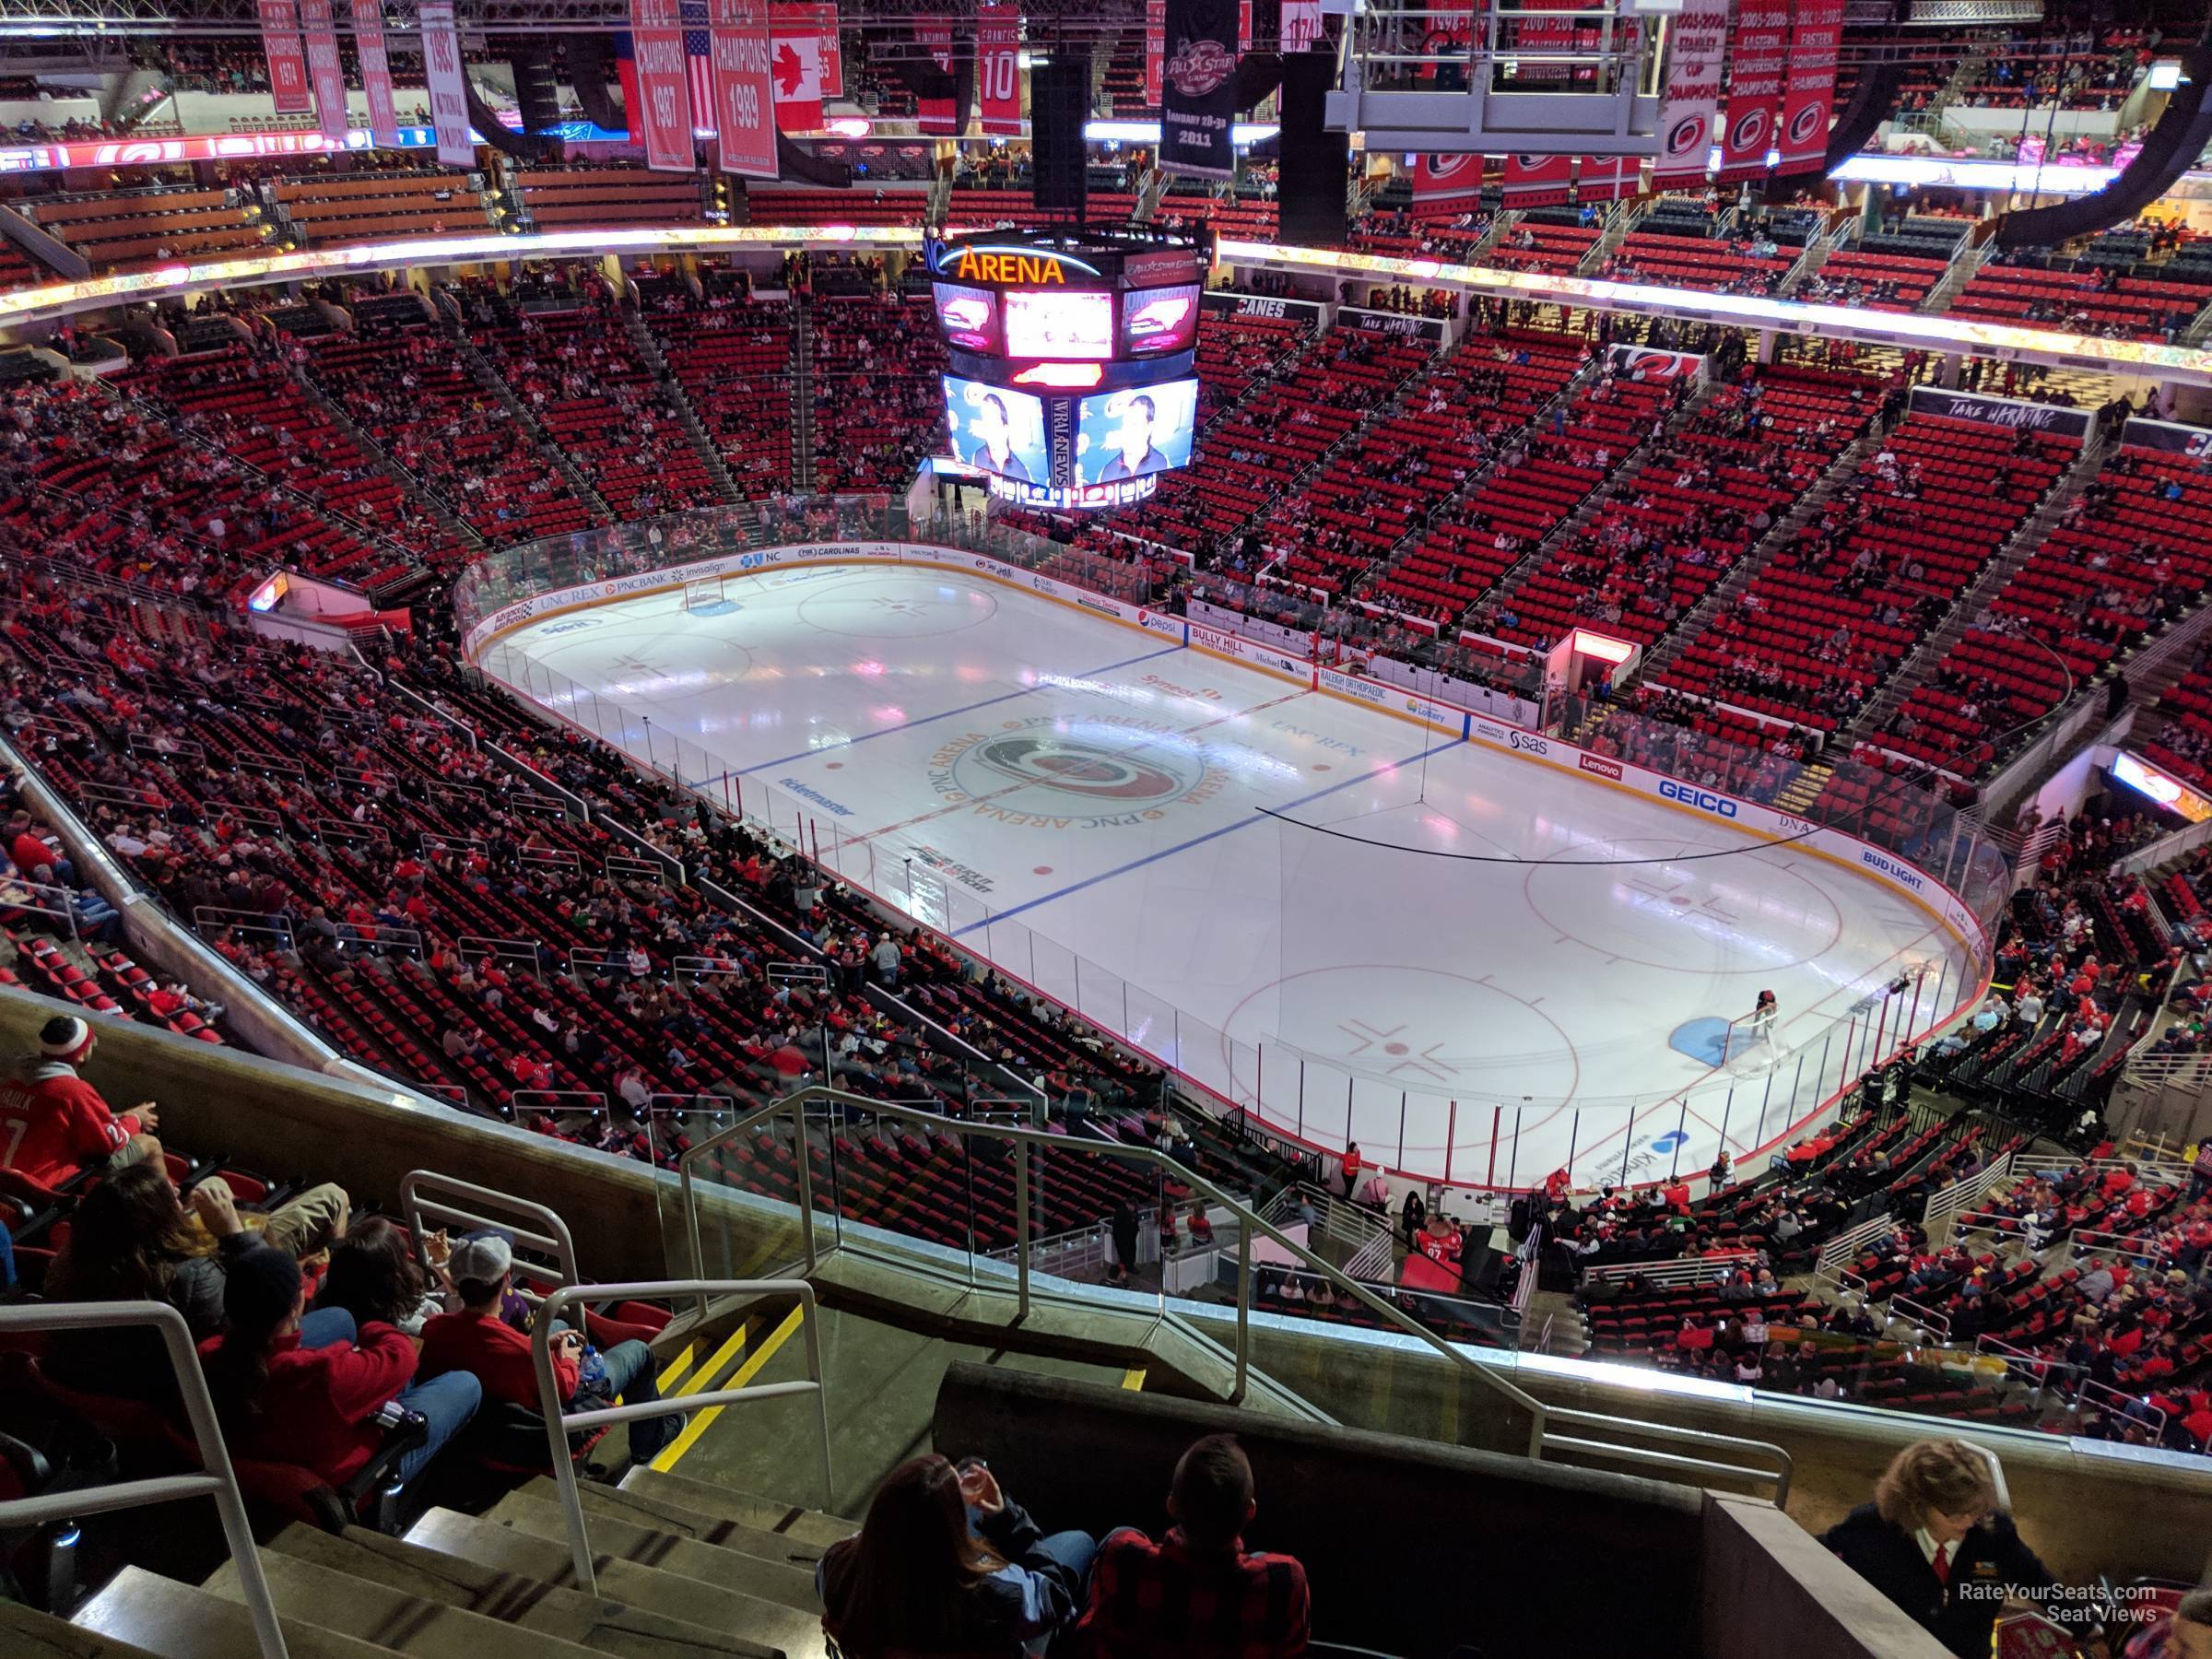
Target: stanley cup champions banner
point(287, 58)
point(1691, 107)
point(1199, 101)
point(318, 27)
point(745, 110)
point(376, 72)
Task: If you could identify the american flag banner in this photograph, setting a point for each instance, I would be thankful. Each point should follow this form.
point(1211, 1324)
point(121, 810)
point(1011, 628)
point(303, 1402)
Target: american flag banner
point(699, 70)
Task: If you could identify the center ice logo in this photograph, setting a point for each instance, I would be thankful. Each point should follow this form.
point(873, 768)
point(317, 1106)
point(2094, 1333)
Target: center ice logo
point(1036, 773)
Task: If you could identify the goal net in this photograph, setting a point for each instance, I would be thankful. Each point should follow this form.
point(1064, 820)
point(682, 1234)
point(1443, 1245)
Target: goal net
point(703, 593)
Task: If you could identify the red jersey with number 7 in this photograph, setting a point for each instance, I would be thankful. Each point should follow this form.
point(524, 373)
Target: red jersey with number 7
point(53, 1123)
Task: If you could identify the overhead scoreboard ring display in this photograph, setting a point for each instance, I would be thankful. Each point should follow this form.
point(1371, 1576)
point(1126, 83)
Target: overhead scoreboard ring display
point(1071, 378)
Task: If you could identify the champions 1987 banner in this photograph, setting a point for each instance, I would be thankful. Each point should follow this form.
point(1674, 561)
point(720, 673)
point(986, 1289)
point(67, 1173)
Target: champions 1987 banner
point(1198, 104)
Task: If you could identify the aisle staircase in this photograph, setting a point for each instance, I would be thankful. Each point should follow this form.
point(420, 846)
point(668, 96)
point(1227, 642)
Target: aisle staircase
point(702, 445)
point(801, 398)
point(481, 371)
point(684, 1569)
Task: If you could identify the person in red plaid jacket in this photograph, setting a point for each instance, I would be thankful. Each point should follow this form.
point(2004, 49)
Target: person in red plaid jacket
point(1200, 1595)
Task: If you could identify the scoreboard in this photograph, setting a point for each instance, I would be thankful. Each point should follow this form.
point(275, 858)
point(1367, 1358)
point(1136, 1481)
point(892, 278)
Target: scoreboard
point(1070, 381)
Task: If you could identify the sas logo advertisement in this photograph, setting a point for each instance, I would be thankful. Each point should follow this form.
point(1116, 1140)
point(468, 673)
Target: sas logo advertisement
point(1903, 875)
point(1529, 742)
point(1601, 767)
point(1704, 800)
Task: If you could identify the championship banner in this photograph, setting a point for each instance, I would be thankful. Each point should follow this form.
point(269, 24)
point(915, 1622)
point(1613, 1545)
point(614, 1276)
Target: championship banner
point(1758, 61)
point(1301, 25)
point(664, 118)
point(939, 117)
point(1537, 34)
point(796, 39)
point(833, 52)
point(376, 73)
point(1156, 51)
point(1198, 104)
point(1607, 178)
point(745, 98)
point(998, 68)
point(1536, 181)
point(2013, 412)
point(288, 59)
point(318, 28)
point(1809, 92)
point(442, 73)
point(1243, 27)
point(1693, 93)
point(1438, 177)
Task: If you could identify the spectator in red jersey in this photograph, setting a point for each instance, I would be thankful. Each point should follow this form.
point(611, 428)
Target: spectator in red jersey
point(32, 854)
point(303, 1388)
point(53, 1123)
point(1199, 1594)
point(478, 1341)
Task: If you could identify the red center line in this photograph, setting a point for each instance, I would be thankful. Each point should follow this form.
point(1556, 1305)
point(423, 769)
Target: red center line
point(962, 806)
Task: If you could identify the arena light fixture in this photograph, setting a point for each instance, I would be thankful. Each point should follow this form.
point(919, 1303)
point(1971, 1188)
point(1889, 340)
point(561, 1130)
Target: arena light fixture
point(1604, 647)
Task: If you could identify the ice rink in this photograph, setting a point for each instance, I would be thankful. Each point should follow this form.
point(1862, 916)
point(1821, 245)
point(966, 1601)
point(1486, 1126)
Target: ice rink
point(1082, 803)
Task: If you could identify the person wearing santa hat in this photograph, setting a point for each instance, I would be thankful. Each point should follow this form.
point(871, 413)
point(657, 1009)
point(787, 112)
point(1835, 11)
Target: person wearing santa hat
point(53, 1123)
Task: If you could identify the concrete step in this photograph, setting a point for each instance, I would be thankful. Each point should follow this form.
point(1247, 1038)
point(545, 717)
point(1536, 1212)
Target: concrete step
point(27, 1633)
point(748, 1509)
point(394, 1619)
point(665, 1514)
point(687, 1520)
point(639, 1583)
point(178, 1621)
point(523, 1601)
point(787, 1587)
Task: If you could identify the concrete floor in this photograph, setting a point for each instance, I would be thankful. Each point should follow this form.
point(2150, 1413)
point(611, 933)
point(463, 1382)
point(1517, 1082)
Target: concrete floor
point(882, 1389)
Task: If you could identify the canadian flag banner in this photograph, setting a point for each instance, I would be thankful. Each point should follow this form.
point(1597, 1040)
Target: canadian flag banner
point(287, 60)
point(797, 67)
point(1607, 178)
point(1535, 181)
point(318, 27)
point(376, 73)
point(1301, 25)
point(1809, 94)
point(833, 52)
point(1156, 51)
point(744, 115)
point(938, 117)
point(1691, 107)
point(1756, 60)
point(998, 68)
point(1438, 177)
point(442, 73)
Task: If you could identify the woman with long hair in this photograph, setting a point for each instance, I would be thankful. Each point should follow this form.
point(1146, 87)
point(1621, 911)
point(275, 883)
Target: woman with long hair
point(130, 1240)
point(307, 1388)
point(946, 1564)
point(374, 1277)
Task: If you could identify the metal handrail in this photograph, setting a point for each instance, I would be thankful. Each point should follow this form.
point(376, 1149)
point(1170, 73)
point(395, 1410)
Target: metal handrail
point(217, 1479)
point(426, 1194)
point(1249, 1222)
point(559, 1423)
point(1697, 1437)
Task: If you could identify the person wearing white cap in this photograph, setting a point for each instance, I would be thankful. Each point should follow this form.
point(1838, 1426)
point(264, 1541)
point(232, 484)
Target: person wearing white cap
point(53, 1123)
point(478, 1341)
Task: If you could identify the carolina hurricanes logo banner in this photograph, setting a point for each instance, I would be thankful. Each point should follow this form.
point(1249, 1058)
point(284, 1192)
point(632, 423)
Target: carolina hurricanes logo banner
point(656, 33)
point(1441, 178)
point(1809, 96)
point(376, 72)
point(1691, 107)
point(744, 115)
point(1536, 181)
point(1198, 105)
point(1759, 59)
point(288, 59)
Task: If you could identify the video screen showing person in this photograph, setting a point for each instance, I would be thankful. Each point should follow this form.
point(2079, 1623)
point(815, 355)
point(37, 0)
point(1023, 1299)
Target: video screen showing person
point(997, 430)
point(1158, 321)
point(1059, 324)
point(967, 317)
point(1127, 434)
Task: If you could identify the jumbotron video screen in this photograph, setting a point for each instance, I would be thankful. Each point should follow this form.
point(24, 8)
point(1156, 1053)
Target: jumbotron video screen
point(1071, 379)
